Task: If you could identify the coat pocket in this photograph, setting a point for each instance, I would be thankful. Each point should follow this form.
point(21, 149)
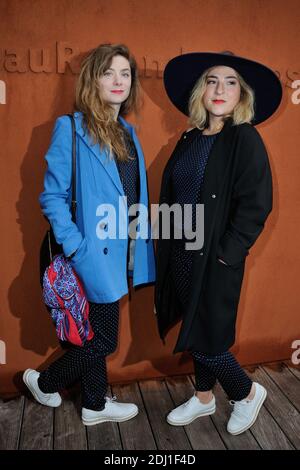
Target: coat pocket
point(83, 264)
point(81, 251)
point(230, 266)
point(227, 281)
point(231, 250)
point(221, 289)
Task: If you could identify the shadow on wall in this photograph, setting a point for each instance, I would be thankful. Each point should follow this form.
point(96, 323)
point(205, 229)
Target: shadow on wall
point(172, 122)
point(37, 333)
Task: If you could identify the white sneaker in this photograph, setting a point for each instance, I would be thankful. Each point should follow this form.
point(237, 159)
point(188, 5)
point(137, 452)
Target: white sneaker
point(113, 411)
point(30, 378)
point(245, 412)
point(190, 410)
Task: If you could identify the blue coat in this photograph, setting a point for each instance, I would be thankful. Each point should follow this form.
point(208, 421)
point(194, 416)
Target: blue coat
point(100, 262)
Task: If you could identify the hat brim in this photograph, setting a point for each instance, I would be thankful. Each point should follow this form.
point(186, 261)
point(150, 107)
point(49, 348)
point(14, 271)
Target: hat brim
point(182, 73)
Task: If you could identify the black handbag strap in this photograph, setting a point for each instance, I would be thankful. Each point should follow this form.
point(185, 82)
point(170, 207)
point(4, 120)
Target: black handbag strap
point(50, 239)
point(73, 181)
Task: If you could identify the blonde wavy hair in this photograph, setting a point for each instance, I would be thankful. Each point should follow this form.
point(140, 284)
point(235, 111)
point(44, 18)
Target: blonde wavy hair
point(98, 116)
point(243, 111)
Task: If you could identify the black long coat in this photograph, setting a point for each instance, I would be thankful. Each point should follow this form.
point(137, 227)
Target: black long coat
point(237, 198)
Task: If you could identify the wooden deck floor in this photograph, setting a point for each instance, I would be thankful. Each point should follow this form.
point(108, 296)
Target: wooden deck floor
point(24, 424)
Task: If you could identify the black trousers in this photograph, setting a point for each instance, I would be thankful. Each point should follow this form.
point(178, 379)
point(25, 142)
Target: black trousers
point(224, 368)
point(208, 369)
point(87, 363)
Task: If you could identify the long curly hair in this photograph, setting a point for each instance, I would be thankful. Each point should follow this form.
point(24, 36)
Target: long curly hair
point(98, 116)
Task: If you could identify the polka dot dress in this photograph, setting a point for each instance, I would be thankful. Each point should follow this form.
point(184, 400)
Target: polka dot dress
point(188, 171)
point(187, 177)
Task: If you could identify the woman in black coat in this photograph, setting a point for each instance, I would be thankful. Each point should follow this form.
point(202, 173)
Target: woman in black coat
point(221, 163)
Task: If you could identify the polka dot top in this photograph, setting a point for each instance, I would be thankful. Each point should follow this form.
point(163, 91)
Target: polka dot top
point(129, 172)
point(187, 173)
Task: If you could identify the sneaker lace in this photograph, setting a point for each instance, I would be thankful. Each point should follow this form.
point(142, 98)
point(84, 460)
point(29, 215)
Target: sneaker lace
point(239, 407)
point(110, 400)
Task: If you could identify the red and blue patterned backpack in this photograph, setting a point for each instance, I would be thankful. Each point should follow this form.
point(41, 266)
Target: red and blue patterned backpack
point(64, 295)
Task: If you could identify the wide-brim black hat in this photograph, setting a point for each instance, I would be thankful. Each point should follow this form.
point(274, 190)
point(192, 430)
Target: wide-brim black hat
point(182, 73)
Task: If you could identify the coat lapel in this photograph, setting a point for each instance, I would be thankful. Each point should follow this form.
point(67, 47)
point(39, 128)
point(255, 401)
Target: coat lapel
point(215, 174)
point(101, 155)
point(217, 163)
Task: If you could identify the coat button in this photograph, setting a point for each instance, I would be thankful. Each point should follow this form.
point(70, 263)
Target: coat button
point(201, 253)
point(184, 136)
point(105, 251)
point(213, 196)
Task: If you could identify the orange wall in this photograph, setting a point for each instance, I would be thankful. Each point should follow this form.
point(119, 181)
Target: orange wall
point(155, 30)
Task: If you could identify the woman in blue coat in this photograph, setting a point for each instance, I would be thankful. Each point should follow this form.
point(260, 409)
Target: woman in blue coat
point(110, 180)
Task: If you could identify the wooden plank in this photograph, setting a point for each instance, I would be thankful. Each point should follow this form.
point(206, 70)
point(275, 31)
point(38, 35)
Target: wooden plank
point(287, 382)
point(37, 427)
point(69, 432)
point(11, 413)
point(104, 436)
point(282, 410)
point(268, 433)
point(201, 432)
point(136, 433)
point(295, 370)
point(158, 404)
point(277, 427)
